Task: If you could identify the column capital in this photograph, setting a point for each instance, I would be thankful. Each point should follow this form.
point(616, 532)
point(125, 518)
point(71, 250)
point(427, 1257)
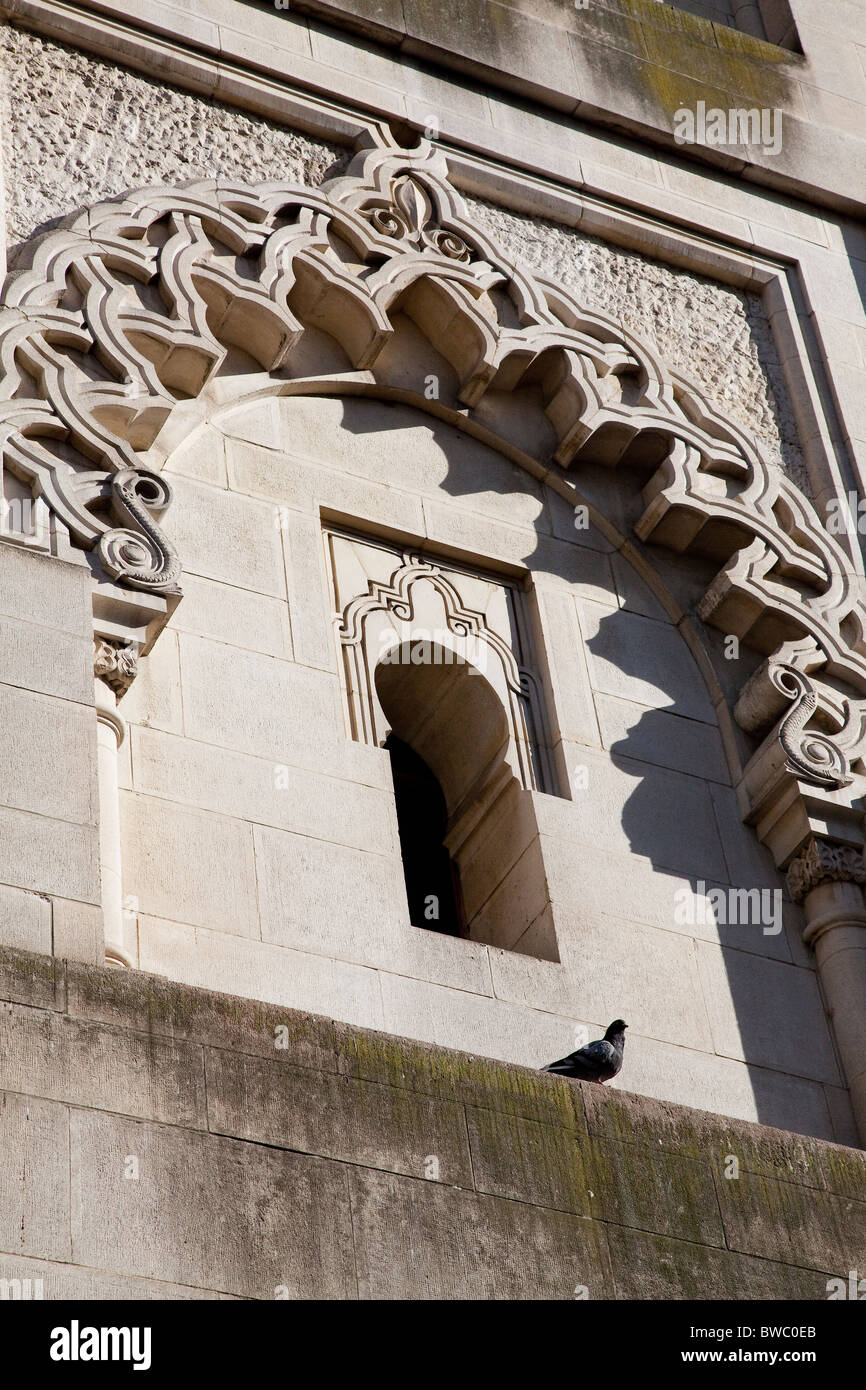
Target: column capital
point(115, 663)
point(823, 861)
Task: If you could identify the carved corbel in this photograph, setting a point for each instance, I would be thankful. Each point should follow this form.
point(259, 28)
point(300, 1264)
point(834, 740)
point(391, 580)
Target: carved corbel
point(800, 783)
point(115, 663)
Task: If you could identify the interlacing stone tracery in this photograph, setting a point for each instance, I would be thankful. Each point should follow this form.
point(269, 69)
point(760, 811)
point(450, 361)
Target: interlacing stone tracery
point(135, 305)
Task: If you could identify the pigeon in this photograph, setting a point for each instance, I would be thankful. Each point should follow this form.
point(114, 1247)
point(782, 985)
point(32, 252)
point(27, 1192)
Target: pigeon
point(597, 1061)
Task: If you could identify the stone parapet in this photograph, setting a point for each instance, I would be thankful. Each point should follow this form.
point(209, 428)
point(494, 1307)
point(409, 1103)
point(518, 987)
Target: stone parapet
point(225, 1148)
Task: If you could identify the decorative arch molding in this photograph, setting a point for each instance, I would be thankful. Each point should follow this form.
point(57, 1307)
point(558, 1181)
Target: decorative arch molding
point(471, 641)
point(120, 318)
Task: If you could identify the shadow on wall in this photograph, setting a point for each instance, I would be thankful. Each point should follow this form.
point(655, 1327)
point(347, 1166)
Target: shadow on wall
point(672, 802)
point(759, 990)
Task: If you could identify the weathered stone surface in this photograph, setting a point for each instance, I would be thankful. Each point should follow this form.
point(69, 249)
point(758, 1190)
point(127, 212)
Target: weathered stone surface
point(47, 660)
point(478, 1081)
point(57, 590)
point(417, 1240)
point(772, 1153)
point(481, 1025)
point(410, 1172)
point(528, 1161)
point(662, 1192)
point(790, 1035)
point(54, 857)
point(163, 1009)
point(30, 978)
point(664, 739)
point(60, 1058)
point(47, 751)
point(225, 536)
point(644, 662)
point(257, 970)
point(25, 920)
point(336, 1116)
point(264, 792)
point(78, 931)
point(68, 1281)
point(648, 1266)
point(294, 712)
point(228, 614)
point(301, 880)
point(209, 876)
point(205, 1210)
point(783, 1221)
point(627, 806)
point(34, 1178)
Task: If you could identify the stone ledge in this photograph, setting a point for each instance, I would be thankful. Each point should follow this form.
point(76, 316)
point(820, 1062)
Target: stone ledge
point(621, 1193)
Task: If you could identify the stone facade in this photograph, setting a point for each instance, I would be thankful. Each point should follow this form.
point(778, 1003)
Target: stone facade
point(331, 338)
point(378, 1168)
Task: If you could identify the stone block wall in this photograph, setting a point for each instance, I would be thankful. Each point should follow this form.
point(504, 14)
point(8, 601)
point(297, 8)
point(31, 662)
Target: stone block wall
point(246, 677)
point(260, 841)
point(209, 1160)
point(49, 871)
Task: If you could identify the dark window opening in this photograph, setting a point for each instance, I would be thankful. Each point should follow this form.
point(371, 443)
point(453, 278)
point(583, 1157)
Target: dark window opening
point(432, 882)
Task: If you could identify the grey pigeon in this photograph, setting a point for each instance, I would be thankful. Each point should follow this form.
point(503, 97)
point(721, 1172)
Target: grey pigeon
point(597, 1061)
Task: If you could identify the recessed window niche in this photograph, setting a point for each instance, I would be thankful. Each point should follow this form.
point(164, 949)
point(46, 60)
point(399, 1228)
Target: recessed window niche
point(438, 669)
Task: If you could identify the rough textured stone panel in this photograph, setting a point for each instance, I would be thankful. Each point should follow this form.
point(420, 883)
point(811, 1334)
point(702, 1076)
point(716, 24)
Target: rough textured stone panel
point(95, 130)
point(717, 335)
point(60, 1281)
point(60, 1058)
point(653, 1267)
point(458, 1076)
point(783, 1221)
point(528, 1161)
point(165, 1009)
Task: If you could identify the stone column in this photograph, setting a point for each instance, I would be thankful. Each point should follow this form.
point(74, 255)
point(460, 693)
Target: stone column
point(114, 667)
point(826, 879)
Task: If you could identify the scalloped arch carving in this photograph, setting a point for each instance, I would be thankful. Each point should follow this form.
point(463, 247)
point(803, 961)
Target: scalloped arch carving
point(131, 309)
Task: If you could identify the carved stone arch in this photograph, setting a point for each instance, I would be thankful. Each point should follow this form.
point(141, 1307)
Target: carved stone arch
point(116, 321)
point(464, 639)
